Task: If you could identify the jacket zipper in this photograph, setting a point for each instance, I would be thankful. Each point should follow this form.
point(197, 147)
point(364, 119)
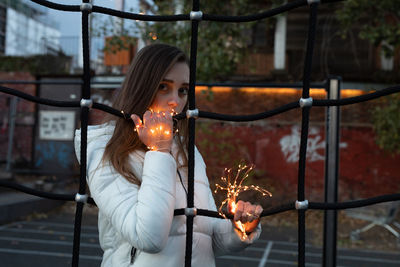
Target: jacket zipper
point(133, 253)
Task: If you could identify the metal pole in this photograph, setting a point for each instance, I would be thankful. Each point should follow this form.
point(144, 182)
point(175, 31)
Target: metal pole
point(13, 112)
point(331, 172)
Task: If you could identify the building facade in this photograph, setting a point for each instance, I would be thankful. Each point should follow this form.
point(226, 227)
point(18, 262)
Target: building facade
point(25, 29)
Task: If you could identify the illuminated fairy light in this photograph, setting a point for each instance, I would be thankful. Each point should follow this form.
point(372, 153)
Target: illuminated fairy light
point(172, 111)
point(158, 129)
point(233, 187)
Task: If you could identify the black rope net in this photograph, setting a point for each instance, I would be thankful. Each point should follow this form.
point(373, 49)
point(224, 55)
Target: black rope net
point(305, 103)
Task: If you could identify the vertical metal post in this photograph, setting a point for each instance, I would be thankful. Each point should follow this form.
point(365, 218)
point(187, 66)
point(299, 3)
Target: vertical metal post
point(331, 172)
point(13, 112)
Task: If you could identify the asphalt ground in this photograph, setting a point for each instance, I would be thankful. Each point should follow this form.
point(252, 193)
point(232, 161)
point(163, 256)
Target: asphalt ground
point(47, 242)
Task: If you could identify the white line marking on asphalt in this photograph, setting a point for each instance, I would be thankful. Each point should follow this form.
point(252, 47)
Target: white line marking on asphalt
point(368, 259)
point(7, 225)
point(339, 249)
point(319, 255)
point(44, 253)
point(48, 232)
point(293, 263)
point(230, 257)
point(49, 242)
point(60, 225)
point(266, 254)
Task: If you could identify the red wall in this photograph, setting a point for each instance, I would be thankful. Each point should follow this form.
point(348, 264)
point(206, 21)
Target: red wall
point(23, 134)
point(365, 170)
point(272, 145)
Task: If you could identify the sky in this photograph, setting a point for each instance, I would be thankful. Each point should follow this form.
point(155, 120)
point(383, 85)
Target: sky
point(69, 23)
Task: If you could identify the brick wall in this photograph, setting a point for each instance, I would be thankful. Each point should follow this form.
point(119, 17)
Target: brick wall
point(22, 146)
point(272, 145)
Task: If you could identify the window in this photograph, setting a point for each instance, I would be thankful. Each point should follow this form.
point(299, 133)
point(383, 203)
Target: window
point(3, 19)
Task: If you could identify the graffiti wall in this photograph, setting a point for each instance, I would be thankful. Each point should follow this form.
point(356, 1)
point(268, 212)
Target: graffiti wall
point(365, 170)
point(53, 145)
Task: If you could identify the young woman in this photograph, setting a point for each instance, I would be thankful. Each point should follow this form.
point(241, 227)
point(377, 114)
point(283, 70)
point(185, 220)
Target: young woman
point(137, 173)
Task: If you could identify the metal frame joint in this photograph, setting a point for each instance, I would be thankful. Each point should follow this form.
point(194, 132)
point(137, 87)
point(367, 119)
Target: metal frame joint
point(192, 113)
point(305, 102)
point(86, 102)
point(301, 205)
point(191, 211)
point(196, 15)
point(81, 198)
point(86, 7)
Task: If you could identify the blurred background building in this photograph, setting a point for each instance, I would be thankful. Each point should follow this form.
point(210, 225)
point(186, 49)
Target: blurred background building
point(26, 29)
point(42, 45)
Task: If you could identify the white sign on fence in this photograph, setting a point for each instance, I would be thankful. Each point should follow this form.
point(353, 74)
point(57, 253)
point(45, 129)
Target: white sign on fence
point(56, 125)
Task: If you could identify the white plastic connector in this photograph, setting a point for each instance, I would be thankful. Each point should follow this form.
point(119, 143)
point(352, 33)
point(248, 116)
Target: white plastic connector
point(301, 205)
point(192, 113)
point(86, 103)
point(196, 15)
point(81, 198)
point(190, 211)
point(306, 102)
point(86, 7)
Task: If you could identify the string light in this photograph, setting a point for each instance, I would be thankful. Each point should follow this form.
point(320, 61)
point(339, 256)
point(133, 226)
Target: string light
point(158, 129)
point(233, 188)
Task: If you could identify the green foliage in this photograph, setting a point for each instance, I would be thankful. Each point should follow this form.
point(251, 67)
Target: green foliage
point(378, 20)
point(118, 37)
point(37, 65)
point(220, 45)
point(218, 144)
point(386, 119)
point(117, 43)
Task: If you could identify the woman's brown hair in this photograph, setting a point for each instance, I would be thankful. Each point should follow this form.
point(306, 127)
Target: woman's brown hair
point(138, 91)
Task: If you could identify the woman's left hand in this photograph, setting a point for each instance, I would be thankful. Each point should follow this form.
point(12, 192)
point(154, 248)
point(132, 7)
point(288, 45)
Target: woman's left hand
point(248, 214)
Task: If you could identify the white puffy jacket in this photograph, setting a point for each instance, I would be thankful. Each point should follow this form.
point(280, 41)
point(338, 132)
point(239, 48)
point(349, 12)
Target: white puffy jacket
point(142, 217)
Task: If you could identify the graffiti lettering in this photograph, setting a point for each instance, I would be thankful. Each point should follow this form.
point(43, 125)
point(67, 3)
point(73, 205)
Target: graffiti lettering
point(53, 152)
point(290, 145)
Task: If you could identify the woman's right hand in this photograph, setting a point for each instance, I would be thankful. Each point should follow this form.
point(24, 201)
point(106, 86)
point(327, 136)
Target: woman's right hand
point(156, 130)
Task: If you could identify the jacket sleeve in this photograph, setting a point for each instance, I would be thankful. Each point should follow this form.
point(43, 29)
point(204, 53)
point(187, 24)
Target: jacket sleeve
point(142, 215)
point(226, 238)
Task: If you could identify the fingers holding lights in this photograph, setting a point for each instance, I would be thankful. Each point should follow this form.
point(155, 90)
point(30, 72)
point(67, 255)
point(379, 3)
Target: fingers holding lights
point(246, 215)
point(155, 131)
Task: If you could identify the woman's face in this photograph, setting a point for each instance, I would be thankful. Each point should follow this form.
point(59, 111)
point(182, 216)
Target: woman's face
point(173, 90)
